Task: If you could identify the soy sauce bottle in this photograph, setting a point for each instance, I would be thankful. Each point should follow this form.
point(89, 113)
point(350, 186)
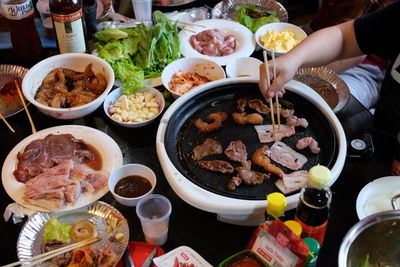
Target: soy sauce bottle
point(276, 204)
point(312, 211)
point(67, 16)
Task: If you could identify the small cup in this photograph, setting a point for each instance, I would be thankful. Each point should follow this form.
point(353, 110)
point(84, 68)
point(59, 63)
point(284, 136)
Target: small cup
point(153, 212)
point(243, 67)
point(142, 9)
point(128, 170)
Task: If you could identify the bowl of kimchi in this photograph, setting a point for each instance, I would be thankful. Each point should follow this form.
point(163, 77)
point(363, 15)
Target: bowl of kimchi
point(185, 74)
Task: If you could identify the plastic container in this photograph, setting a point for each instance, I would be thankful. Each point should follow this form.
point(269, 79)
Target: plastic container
point(314, 247)
point(313, 208)
point(294, 226)
point(243, 258)
point(181, 256)
point(276, 204)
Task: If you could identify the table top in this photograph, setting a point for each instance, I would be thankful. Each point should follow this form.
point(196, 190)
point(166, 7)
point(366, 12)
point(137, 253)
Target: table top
point(189, 226)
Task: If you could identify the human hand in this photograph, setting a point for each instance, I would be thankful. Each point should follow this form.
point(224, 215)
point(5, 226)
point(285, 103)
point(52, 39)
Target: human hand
point(284, 73)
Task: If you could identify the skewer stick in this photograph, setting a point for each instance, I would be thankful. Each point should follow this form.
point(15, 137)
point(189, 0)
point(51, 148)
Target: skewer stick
point(8, 125)
point(269, 84)
point(189, 24)
point(278, 112)
point(53, 253)
point(26, 109)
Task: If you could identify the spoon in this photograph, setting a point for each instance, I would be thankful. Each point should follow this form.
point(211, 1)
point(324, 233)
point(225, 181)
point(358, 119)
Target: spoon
point(394, 202)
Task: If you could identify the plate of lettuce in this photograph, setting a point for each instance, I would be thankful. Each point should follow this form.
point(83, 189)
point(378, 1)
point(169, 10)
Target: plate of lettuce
point(138, 55)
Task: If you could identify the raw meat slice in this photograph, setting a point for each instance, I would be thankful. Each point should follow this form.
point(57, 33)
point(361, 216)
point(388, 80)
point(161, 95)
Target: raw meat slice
point(295, 179)
point(265, 133)
point(97, 179)
point(236, 151)
point(261, 159)
point(295, 121)
point(286, 156)
point(208, 147)
point(308, 142)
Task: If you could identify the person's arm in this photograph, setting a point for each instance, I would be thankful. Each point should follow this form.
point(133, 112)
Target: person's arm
point(319, 49)
point(341, 65)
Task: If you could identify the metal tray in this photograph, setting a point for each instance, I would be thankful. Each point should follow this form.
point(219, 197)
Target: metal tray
point(175, 3)
point(30, 240)
point(327, 84)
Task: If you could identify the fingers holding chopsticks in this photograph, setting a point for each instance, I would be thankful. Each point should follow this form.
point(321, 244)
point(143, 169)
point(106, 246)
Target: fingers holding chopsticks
point(276, 87)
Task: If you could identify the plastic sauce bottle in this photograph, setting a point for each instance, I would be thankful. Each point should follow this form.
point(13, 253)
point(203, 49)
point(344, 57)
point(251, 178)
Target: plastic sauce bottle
point(313, 209)
point(294, 226)
point(275, 207)
point(314, 247)
point(67, 16)
point(20, 18)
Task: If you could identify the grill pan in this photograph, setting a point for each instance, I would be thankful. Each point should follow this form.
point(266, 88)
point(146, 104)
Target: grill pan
point(206, 190)
point(181, 137)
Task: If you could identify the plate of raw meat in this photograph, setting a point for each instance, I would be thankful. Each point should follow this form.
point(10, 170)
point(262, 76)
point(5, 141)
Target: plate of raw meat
point(60, 168)
point(218, 40)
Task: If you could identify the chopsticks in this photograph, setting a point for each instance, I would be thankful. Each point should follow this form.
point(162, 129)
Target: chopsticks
point(189, 30)
point(189, 24)
point(54, 253)
point(271, 106)
point(8, 125)
point(26, 109)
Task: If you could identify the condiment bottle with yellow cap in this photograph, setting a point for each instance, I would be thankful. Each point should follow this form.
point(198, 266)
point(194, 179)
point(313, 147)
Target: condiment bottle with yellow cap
point(276, 204)
point(313, 209)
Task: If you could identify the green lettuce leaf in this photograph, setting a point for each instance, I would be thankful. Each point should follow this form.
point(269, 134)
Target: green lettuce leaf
point(54, 230)
point(109, 34)
point(244, 16)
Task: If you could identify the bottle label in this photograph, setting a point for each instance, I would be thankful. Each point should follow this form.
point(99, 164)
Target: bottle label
point(395, 168)
point(69, 31)
point(316, 232)
point(18, 11)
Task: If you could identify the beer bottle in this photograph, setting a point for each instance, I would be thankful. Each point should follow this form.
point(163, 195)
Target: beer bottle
point(20, 18)
point(67, 16)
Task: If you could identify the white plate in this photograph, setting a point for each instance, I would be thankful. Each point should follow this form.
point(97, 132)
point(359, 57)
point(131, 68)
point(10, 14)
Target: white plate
point(108, 149)
point(376, 196)
point(245, 37)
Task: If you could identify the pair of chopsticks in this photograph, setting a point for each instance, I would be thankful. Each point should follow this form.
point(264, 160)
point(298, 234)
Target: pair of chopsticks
point(26, 109)
point(189, 24)
point(271, 106)
point(54, 253)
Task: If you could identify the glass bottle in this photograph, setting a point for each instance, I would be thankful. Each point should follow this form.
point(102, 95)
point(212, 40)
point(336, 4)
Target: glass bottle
point(276, 204)
point(20, 18)
point(67, 16)
point(396, 157)
point(312, 211)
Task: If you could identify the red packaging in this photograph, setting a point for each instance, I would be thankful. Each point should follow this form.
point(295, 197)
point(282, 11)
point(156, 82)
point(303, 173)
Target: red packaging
point(278, 246)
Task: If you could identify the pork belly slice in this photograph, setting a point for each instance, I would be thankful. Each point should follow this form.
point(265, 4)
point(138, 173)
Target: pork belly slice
point(308, 142)
point(236, 151)
point(91, 180)
point(208, 147)
point(261, 159)
point(292, 181)
point(216, 165)
point(286, 156)
point(295, 121)
point(266, 135)
point(56, 177)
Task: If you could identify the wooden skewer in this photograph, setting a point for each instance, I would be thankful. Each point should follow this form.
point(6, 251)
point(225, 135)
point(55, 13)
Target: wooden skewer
point(26, 109)
point(8, 125)
point(269, 84)
point(54, 253)
point(188, 30)
point(278, 113)
point(189, 24)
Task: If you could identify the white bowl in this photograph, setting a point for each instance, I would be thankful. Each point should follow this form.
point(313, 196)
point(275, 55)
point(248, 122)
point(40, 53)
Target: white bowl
point(299, 34)
point(243, 67)
point(115, 94)
point(128, 170)
point(201, 66)
point(75, 61)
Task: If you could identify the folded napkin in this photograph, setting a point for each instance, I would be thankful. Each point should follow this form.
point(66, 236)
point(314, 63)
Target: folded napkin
point(17, 212)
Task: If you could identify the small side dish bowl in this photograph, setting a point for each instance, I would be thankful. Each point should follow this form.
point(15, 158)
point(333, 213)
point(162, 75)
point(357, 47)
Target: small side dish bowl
point(243, 67)
point(201, 66)
point(77, 62)
point(131, 170)
point(298, 32)
point(115, 94)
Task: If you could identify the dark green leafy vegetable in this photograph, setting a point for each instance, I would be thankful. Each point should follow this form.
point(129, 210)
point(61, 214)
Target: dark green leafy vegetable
point(253, 18)
point(139, 53)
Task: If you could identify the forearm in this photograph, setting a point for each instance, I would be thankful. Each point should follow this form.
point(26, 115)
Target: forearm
point(344, 64)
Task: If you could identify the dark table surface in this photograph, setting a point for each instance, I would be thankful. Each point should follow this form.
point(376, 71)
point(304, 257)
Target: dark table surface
point(189, 226)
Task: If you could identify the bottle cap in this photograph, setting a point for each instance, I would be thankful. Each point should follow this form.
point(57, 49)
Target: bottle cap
point(314, 247)
point(294, 226)
point(319, 176)
point(276, 204)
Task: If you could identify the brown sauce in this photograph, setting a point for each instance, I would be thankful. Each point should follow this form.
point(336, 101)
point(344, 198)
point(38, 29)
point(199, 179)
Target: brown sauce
point(97, 162)
point(132, 186)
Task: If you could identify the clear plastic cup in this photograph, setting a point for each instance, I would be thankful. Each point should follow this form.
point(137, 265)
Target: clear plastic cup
point(44, 10)
point(142, 9)
point(153, 212)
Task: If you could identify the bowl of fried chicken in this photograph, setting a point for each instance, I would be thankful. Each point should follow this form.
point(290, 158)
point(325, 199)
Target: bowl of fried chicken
point(68, 86)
